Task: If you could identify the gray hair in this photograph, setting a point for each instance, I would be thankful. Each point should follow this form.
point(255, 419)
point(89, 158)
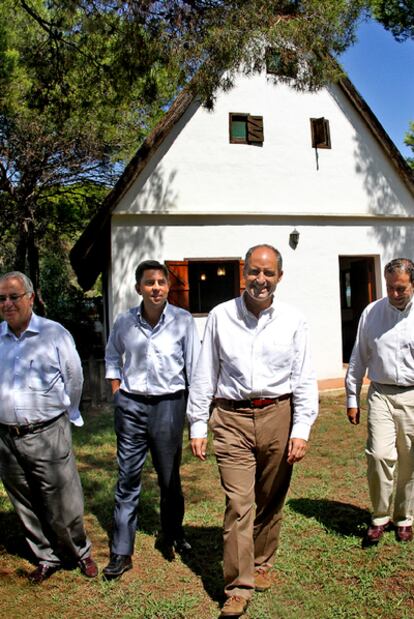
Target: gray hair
point(273, 249)
point(400, 264)
point(26, 281)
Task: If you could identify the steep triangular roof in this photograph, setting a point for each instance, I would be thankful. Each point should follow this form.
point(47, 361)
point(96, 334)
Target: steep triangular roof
point(90, 252)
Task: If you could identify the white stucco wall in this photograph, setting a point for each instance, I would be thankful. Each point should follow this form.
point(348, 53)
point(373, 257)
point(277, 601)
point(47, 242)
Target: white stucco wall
point(201, 196)
point(201, 171)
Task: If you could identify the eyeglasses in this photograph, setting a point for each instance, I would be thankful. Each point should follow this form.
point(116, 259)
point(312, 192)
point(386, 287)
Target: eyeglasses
point(12, 297)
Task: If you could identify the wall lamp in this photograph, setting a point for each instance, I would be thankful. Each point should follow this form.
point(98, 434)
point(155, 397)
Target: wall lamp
point(294, 239)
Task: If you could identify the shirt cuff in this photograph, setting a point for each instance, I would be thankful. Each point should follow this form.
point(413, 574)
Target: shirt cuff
point(352, 401)
point(301, 430)
point(198, 429)
point(76, 418)
point(113, 374)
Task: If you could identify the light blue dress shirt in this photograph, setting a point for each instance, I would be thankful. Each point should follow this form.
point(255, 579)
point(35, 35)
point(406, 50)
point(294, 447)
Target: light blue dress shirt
point(40, 373)
point(153, 361)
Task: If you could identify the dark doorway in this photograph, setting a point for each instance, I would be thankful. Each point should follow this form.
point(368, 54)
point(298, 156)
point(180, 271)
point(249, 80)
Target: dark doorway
point(357, 284)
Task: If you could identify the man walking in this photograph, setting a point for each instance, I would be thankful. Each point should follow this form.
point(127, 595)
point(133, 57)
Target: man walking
point(150, 357)
point(385, 346)
point(255, 367)
point(40, 389)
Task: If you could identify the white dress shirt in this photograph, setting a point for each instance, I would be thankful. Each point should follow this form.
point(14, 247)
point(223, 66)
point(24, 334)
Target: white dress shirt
point(40, 373)
point(385, 345)
point(243, 357)
point(152, 361)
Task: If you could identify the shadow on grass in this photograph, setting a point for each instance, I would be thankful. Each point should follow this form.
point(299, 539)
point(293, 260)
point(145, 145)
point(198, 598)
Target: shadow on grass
point(12, 538)
point(341, 518)
point(206, 558)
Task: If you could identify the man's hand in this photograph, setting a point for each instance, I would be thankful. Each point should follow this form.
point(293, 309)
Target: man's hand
point(297, 449)
point(115, 385)
point(199, 447)
point(353, 415)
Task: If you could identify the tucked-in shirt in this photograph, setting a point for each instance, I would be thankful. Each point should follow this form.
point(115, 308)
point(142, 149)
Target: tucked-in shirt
point(40, 373)
point(243, 357)
point(152, 360)
point(385, 346)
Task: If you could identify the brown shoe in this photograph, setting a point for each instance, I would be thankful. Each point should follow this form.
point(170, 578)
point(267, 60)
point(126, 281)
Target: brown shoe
point(88, 567)
point(404, 534)
point(375, 532)
point(42, 573)
point(234, 606)
point(262, 579)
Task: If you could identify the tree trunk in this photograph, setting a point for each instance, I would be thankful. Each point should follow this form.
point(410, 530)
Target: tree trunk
point(27, 260)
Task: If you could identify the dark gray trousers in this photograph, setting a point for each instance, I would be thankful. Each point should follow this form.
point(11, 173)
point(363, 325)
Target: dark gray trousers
point(40, 476)
point(154, 424)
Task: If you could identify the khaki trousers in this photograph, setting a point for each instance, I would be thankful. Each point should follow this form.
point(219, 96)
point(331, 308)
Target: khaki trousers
point(251, 451)
point(390, 453)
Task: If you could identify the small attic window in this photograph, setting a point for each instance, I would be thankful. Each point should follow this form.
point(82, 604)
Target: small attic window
point(246, 129)
point(321, 137)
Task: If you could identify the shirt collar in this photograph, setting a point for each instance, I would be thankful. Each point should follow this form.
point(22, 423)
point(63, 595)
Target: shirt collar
point(406, 309)
point(269, 310)
point(165, 312)
point(32, 327)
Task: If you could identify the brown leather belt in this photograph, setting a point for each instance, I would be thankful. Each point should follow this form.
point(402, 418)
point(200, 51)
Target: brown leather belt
point(31, 428)
point(235, 405)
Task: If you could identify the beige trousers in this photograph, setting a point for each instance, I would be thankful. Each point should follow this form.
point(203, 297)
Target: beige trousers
point(390, 453)
point(251, 451)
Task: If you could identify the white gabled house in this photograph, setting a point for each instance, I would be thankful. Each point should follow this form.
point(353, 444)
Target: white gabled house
point(314, 174)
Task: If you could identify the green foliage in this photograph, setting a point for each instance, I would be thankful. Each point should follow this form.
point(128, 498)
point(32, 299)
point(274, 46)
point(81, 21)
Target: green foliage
point(82, 82)
point(397, 16)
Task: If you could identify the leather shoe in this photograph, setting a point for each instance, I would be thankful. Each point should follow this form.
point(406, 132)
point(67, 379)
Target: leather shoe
point(234, 606)
point(118, 564)
point(404, 534)
point(375, 532)
point(182, 546)
point(262, 578)
point(88, 567)
point(42, 572)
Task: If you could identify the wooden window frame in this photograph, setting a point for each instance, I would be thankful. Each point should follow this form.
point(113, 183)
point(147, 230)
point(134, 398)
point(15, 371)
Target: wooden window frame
point(179, 293)
point(320, 133)
point(254, 128)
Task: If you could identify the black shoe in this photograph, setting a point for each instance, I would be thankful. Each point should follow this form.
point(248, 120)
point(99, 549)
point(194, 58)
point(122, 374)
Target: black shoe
point(118, 564)
point(182, 546)
point(42, 573)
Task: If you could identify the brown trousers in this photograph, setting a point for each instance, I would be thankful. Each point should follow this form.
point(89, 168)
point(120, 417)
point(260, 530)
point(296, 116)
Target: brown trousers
point(251, 451)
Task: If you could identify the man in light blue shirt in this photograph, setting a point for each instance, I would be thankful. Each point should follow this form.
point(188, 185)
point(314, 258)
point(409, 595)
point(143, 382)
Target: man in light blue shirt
point(150, 357)
point(40, 389)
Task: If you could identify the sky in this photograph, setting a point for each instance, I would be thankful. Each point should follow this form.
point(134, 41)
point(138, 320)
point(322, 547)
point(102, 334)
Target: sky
point(381, 69)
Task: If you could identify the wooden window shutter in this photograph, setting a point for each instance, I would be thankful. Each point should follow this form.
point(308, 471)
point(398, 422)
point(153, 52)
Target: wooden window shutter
point(255, 133)
point(321, 137)
point(242, 280)
point(179, 293)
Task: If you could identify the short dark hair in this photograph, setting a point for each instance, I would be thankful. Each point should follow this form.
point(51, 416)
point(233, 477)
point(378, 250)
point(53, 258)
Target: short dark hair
point(276, 252)
point(400, 264)
point(149, 265)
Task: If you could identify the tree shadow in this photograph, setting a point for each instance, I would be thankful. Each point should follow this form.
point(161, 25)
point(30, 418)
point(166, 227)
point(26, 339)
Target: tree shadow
point(12, 540)
point(205, 560)
point(341, 518)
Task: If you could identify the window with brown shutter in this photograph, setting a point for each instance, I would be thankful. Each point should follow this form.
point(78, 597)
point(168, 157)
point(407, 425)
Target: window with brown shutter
point(198, 285)
point(246, 129)
point(179, 293)
point(321, 137)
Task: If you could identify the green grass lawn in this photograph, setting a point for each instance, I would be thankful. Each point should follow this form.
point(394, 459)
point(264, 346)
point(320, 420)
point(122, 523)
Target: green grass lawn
point(321, 570)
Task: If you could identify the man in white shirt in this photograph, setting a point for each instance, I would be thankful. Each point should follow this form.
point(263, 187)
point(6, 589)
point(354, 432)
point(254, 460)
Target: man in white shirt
point(149, 358)
point(255, 368)
point(40, 390)
point(385, 345)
